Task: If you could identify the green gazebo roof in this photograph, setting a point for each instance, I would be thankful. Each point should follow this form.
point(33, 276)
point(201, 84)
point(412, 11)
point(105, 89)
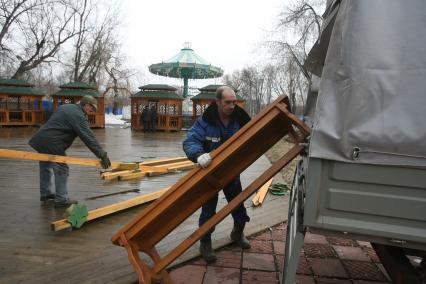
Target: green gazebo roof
point(157, 91)
point(77, 89)
point(209, 93)
point(186, 64)
point(158, 87)
point(19, 87)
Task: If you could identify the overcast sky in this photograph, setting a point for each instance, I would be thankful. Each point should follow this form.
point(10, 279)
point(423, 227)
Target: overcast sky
point(224, 32)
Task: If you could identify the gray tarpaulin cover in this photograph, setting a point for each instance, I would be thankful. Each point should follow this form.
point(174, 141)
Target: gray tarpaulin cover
point(371, 105)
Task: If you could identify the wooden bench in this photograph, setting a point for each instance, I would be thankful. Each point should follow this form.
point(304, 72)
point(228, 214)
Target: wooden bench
point(199, 185)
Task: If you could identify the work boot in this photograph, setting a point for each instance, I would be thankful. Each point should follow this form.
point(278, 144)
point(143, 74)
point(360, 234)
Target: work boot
point(207, 251)
point(65, 203)
point(237, 236)
point(49, 197)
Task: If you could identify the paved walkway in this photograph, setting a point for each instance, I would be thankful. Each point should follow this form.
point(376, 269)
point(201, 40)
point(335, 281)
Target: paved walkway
point(323, 260)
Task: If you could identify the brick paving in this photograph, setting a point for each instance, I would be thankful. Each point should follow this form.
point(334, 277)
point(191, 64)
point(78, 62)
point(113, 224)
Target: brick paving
point(323, 260)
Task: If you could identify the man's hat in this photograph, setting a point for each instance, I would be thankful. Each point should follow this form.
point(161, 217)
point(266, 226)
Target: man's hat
point(89, 100)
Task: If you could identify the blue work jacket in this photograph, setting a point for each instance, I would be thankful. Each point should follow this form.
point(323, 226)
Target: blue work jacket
point(208, 132)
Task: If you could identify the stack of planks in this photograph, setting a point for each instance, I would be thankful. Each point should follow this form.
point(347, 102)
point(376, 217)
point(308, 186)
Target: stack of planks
point(150, 168)
point(261, 194)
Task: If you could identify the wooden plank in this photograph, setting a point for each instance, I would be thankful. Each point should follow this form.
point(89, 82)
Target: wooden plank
point(151, 168)
point(132, 175)
point(110, 209)
point(25, 155)
point(175, 166)
point(261, 194)
point(182, 167)
point(164, 161)
point(157, 170)
point(113, 175)
point(124, 166)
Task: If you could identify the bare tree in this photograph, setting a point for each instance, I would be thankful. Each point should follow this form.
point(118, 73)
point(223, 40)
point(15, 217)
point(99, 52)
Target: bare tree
point(119, 81)
point(299, 26)
point(96, 42)
point(11, 13)
point(83, 17)
point(42, 28)
point(304, 21)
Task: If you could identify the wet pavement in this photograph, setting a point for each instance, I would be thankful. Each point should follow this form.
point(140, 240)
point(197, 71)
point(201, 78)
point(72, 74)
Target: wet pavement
point(31, 253)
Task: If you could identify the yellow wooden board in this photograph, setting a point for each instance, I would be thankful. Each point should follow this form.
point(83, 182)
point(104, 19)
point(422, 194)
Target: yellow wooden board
point(112, 208)
point(25, 155)
point(261, 193)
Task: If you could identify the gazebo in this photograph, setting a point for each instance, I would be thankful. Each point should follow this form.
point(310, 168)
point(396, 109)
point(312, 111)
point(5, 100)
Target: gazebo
point(166, 101)
point(186, 65)
point(71, 93)
point(208, 94)
point(20, 103)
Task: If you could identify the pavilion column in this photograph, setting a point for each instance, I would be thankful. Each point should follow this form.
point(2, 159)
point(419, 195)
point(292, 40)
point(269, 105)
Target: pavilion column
point(185, 88)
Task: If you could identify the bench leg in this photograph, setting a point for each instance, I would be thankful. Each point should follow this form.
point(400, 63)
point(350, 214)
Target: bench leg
point(142, 270)
point(164, 275)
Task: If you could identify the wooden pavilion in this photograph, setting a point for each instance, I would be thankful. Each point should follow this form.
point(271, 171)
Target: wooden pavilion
point(72, 93)
point(207, 95)
point(166, 102)
point(20, 103)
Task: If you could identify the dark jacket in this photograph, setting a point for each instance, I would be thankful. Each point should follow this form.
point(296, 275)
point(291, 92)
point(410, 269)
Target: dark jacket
point(146, 114)
point(207, 133)
point(59, 132)
point(153, 114)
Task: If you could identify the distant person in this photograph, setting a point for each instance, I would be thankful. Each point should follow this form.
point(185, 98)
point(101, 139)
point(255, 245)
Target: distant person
point(222, 119)
point(153, 118)
point(146, 118)
point(55, 137)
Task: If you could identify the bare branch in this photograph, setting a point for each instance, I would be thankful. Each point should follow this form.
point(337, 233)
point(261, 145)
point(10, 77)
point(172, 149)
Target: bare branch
point(45, 31)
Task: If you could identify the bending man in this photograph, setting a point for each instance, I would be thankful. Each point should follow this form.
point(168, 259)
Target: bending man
point(55, 137)
point(222, 119)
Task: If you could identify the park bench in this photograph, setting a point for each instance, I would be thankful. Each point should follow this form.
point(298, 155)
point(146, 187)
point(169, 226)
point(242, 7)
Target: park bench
point(198, 186)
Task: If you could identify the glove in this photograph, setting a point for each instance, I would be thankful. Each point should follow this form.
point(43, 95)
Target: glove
point(105, 162)
point(204, 160)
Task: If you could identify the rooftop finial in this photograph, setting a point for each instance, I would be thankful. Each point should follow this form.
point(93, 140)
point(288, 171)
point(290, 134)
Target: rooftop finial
point(187, 45)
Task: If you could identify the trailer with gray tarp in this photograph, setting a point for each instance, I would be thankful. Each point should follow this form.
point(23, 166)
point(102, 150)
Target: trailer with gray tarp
point(364, 172)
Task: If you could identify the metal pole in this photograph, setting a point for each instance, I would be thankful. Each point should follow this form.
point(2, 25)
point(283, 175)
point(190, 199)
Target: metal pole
point(185, 87)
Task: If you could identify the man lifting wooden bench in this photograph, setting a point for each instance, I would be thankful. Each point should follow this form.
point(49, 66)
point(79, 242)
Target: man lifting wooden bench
point(198, 186)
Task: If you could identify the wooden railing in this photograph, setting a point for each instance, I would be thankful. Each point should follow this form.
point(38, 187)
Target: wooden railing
point(164, 122)
point(21, 117)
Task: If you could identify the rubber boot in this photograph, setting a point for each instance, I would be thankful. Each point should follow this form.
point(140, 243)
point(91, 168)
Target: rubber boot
point(237, 236)
point(206, 250)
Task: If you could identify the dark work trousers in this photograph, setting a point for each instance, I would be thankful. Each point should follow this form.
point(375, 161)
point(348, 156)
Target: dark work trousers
point(153, 124)
point(146, 125)
point(209, 208)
